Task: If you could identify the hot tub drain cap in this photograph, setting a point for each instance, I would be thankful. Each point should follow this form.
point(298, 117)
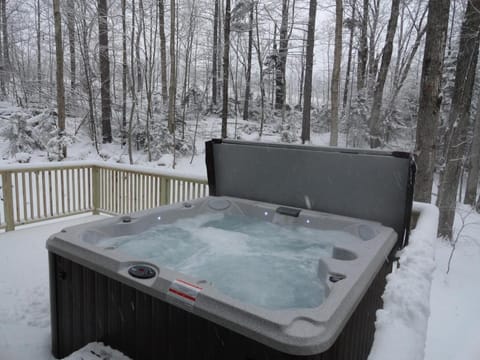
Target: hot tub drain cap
point(142, 271)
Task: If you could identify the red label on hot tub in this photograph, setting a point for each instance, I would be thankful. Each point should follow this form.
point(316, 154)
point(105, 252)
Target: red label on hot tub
point(184, 291)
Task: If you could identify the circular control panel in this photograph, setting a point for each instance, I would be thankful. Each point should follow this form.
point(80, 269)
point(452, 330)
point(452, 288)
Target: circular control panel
point(142, 271)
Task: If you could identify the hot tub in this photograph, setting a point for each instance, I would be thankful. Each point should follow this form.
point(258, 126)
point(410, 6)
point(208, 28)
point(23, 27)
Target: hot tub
point(220, 278)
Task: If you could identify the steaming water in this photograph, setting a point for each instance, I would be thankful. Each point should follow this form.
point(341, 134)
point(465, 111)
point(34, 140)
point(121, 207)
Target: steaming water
point(253, 261)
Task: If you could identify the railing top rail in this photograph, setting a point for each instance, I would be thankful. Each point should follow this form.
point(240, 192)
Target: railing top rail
point(171, 174)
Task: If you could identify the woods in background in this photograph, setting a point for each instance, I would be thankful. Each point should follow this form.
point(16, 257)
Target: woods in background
point(389, 74)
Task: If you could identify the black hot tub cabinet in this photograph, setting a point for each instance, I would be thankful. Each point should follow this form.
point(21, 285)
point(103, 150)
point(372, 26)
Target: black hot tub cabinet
point(98, 293)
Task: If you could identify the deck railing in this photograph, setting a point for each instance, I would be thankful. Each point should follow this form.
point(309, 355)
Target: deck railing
point(33, 193)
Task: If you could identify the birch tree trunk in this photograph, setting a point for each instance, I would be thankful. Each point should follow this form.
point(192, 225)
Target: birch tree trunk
point(226, 67)
point(60, 87)
point(459, 117)
point(375, 121)
point(104, 71)
point(307, 102)
point(337, 60)
point(430, 98)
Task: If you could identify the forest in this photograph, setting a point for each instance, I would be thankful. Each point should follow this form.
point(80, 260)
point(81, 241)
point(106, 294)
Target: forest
point(144, 75)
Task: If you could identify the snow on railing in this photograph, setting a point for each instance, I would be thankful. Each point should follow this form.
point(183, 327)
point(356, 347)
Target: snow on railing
point(37, 192)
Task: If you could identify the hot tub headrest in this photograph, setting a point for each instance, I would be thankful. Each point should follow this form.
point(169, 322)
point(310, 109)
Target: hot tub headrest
point(365, 184)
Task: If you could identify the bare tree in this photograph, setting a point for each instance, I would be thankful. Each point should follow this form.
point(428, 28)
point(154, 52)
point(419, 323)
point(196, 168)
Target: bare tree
point(374, 125)
point(337, 60)
point(459, 117)
point(307, 102)
point(173, 74)
point(104, 71)
point(430, 99)
point(226, 67)
point(282, 57)
point(5, 48)
point(352, 25)
point(215, 54)
point(248, 75)
point(71, 46)
point(474, 162)
point(39, 50)
point(260, 66)
point(163, 51)
point(124, 73)
point(363, 49)
point(60, 87)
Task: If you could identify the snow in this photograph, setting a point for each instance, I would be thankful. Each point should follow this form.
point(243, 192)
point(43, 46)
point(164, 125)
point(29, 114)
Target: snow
point(96, 351)
point(454, 328)
point(402, 323)
point(24, 292)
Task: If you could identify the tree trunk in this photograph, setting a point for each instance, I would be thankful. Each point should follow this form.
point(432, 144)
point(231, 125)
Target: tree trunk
point(104, 71)
point(173, 77)
point(260, 66)
point(163, 51)
point(226, 67)
point(71, 45)
point(188, 57)
point(350, 55)
point(363, 49)
point(282, 58)
point(60, 87)
point(337, 60)
point(39, 52)
point(474, 163)
point(249, 67)
point(124, 74)
point(307, 102)
point(459, 117)
point(374, 6)
point(375, 121)
point(215, 56)
point(84, 51)
point(5, 50)
point(302, 72)
point(430, 98)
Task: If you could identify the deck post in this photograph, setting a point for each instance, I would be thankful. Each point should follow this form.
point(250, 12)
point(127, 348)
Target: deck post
point(164, 191)
point(96, 189)
point(8, 200)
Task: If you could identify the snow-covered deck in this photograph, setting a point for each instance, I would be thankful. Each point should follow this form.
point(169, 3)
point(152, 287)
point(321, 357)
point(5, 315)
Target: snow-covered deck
point(24, 292)
point(453, 326)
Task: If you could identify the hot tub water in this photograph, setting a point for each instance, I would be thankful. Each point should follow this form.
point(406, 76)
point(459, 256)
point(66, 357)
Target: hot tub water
point(248, 259)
